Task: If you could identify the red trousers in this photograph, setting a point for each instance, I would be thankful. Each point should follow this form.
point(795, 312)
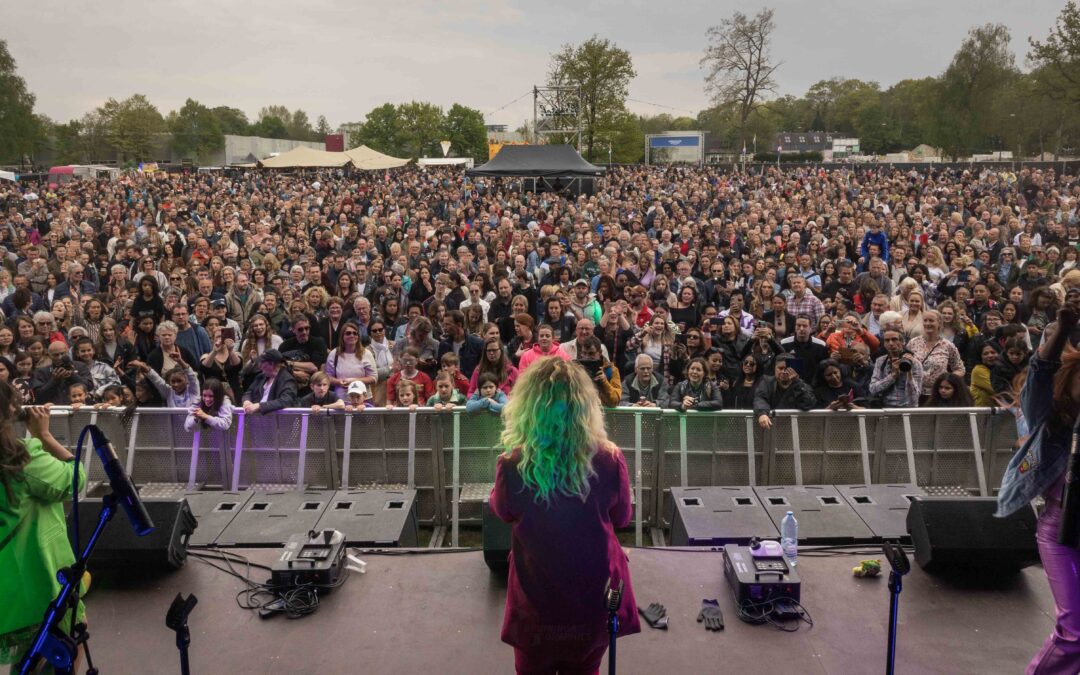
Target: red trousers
point(564, 659)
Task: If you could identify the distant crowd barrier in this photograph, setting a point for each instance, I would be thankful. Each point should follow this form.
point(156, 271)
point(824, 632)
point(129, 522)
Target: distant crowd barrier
point(450, 457)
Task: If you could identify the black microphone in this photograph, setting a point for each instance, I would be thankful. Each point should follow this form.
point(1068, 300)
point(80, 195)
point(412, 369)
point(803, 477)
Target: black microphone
point(1068, 535)
point(122, 487)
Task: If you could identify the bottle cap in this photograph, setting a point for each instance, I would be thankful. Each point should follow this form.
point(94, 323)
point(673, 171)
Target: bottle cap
point(791, 513)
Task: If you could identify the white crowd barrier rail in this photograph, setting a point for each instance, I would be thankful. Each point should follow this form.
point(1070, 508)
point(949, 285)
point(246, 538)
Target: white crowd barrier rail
point(450, 457)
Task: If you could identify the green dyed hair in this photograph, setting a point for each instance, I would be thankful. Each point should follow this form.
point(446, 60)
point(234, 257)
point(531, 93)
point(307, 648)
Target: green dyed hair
point(553, 421)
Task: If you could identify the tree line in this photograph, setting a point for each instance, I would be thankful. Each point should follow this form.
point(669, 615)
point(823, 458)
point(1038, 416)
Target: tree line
point(981, 102)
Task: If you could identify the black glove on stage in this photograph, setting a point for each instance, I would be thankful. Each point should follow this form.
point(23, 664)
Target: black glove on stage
point(655, 615)
point(711, 615)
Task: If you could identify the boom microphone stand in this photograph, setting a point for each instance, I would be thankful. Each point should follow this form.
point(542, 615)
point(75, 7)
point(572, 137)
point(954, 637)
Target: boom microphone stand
point(898, 560)
point(51, 643)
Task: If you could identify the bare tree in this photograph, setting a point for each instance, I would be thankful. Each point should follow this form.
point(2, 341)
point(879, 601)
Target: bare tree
point(738, 64)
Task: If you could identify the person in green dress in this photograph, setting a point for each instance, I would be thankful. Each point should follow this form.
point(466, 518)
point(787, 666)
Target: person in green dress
point(36, 477)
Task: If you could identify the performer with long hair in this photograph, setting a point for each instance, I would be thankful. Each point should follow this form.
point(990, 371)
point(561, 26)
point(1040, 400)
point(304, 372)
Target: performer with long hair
point(1050, 400)
point(564, 488)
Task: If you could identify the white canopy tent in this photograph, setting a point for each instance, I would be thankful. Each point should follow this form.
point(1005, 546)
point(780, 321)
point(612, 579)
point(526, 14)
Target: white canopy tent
point(302, 157)
point(367, 159)
point(8, 175)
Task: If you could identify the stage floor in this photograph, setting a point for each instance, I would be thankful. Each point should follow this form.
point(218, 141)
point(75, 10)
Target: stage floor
point(441, 613)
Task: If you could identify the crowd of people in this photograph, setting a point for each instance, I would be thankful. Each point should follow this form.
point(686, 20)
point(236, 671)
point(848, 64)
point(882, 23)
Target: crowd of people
point(673, 287)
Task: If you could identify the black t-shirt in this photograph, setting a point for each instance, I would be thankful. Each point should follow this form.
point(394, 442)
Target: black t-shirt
point(314, 350)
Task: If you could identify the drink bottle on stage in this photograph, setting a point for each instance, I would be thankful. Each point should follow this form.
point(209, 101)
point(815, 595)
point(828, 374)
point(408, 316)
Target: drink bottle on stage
point(789, 538)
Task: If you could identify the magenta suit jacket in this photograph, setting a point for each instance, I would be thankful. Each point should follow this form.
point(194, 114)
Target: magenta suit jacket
point(562, 555)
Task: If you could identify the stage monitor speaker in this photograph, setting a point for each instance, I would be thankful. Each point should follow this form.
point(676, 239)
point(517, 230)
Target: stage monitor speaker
point(496, 536)
point(165, 547)
point(961, 535)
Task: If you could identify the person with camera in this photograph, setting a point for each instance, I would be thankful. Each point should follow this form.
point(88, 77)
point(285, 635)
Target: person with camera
point(51, 383)
point(897, 379)
point(36, 476)
point(603, 373)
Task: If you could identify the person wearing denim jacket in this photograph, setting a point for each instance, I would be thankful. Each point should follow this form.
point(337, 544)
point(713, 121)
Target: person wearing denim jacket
point(1038, 468)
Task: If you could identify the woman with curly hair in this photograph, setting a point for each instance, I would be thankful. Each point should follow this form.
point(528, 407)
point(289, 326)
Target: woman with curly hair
point(564, 489)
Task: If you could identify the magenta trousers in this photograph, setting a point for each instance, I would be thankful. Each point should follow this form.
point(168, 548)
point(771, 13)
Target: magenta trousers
point(1060, 652)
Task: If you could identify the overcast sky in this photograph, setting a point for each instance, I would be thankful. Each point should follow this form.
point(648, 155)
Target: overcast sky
point(341, 59)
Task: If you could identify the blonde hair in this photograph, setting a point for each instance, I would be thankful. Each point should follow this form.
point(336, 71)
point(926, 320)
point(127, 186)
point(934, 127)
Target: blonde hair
point(553, 421)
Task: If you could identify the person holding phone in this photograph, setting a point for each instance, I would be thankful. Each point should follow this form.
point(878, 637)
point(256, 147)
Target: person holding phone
point(603, 374)
point(223, 362)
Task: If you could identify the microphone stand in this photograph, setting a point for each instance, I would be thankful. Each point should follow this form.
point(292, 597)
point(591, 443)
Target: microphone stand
point(612, 600)
point(176, 619)
point(900, 565)
point(51, 643)
point(1068, 534)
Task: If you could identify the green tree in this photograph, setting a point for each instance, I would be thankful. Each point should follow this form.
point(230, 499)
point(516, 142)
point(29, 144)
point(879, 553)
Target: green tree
point(602, 72)
point(464, 128)
point(421, 126)
point(910, 104)
point(270, 127)
point(382, 130)
point(299, 126)
point(132, 126)
point(739, 68)
point(68, 143)
point(232, 121)
point(983, 68)
point(195, 130)
point(322, 128)
point(1058, 56)
point(19, 129)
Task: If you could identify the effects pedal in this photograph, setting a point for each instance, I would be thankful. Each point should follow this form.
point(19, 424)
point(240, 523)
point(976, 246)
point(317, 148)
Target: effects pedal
point(313, 558)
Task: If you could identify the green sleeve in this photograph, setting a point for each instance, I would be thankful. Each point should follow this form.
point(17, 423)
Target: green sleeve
point(47, 478)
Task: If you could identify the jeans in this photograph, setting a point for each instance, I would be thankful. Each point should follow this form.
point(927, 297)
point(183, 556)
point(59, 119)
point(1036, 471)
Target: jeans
point(1060, 652)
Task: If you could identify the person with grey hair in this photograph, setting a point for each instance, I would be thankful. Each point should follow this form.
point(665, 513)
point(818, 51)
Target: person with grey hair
point(643, 388)
point(897, 378)
point(75, 284)
point(168, 355)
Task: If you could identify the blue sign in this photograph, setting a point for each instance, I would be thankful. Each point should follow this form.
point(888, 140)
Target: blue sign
point(674, 141)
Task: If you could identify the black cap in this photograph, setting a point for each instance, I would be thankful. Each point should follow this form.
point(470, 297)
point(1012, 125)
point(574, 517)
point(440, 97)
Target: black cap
point(271, 356)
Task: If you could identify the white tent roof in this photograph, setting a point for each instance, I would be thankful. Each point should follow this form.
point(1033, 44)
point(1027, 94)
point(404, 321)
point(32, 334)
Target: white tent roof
point(365, 158)
point(7, 175)
point(305, 157)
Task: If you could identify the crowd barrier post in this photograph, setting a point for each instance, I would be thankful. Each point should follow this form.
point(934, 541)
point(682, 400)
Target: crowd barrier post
point(909, 447)
point(193, 466)
point(976, 447)
point(638, 505)
point(455, 481)
point(346, 452)
point(796, 450)
point(240, 422)
point(751, 458)
point(411, 466)
point(682, 450)
point(301, 466)
point(864, 449)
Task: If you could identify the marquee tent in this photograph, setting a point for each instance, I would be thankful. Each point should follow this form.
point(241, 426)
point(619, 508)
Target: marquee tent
point(302, 157)
point(367, 159)
point(543, 168)
point(8, 175)
point(556, 161)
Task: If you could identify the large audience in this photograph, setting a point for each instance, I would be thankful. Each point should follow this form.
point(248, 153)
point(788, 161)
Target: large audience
point(678, 288)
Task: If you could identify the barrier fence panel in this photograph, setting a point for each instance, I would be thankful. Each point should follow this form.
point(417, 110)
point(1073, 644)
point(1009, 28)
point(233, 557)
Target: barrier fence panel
point(450, 458)
point(469, 471)
point(376, 450)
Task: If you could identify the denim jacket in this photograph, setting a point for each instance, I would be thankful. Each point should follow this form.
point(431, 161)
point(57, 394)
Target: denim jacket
point(1043, 457)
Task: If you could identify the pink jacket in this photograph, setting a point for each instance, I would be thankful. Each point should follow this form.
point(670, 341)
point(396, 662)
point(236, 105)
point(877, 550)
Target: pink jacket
point(537, 353)
point(562, 555)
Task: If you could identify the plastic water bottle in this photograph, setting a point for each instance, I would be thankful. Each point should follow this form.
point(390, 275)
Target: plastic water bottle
point(789, 538)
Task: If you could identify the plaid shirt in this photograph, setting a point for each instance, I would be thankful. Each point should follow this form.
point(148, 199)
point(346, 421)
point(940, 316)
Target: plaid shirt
point(807, 304)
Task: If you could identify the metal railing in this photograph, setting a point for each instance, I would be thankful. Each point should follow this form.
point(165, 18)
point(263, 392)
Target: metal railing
point(450, 457)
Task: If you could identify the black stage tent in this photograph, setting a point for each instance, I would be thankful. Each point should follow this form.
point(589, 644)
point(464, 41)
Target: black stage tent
point(555, 168)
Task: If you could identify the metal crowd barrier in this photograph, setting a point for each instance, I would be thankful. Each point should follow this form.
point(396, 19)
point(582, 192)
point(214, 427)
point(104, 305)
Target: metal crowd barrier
point(450, 457)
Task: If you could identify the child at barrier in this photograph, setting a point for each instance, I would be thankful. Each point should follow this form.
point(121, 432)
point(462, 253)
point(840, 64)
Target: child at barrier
point(179, 388)
point(487, 396)
point(322, 396)
point(111, 397)
point(77, 395)
point(452, 366)
point(359, 397)
point(407, 394)
point(214, 410)
point(446, 396)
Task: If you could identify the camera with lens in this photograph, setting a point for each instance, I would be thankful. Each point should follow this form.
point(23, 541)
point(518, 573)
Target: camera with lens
point(905, 362)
